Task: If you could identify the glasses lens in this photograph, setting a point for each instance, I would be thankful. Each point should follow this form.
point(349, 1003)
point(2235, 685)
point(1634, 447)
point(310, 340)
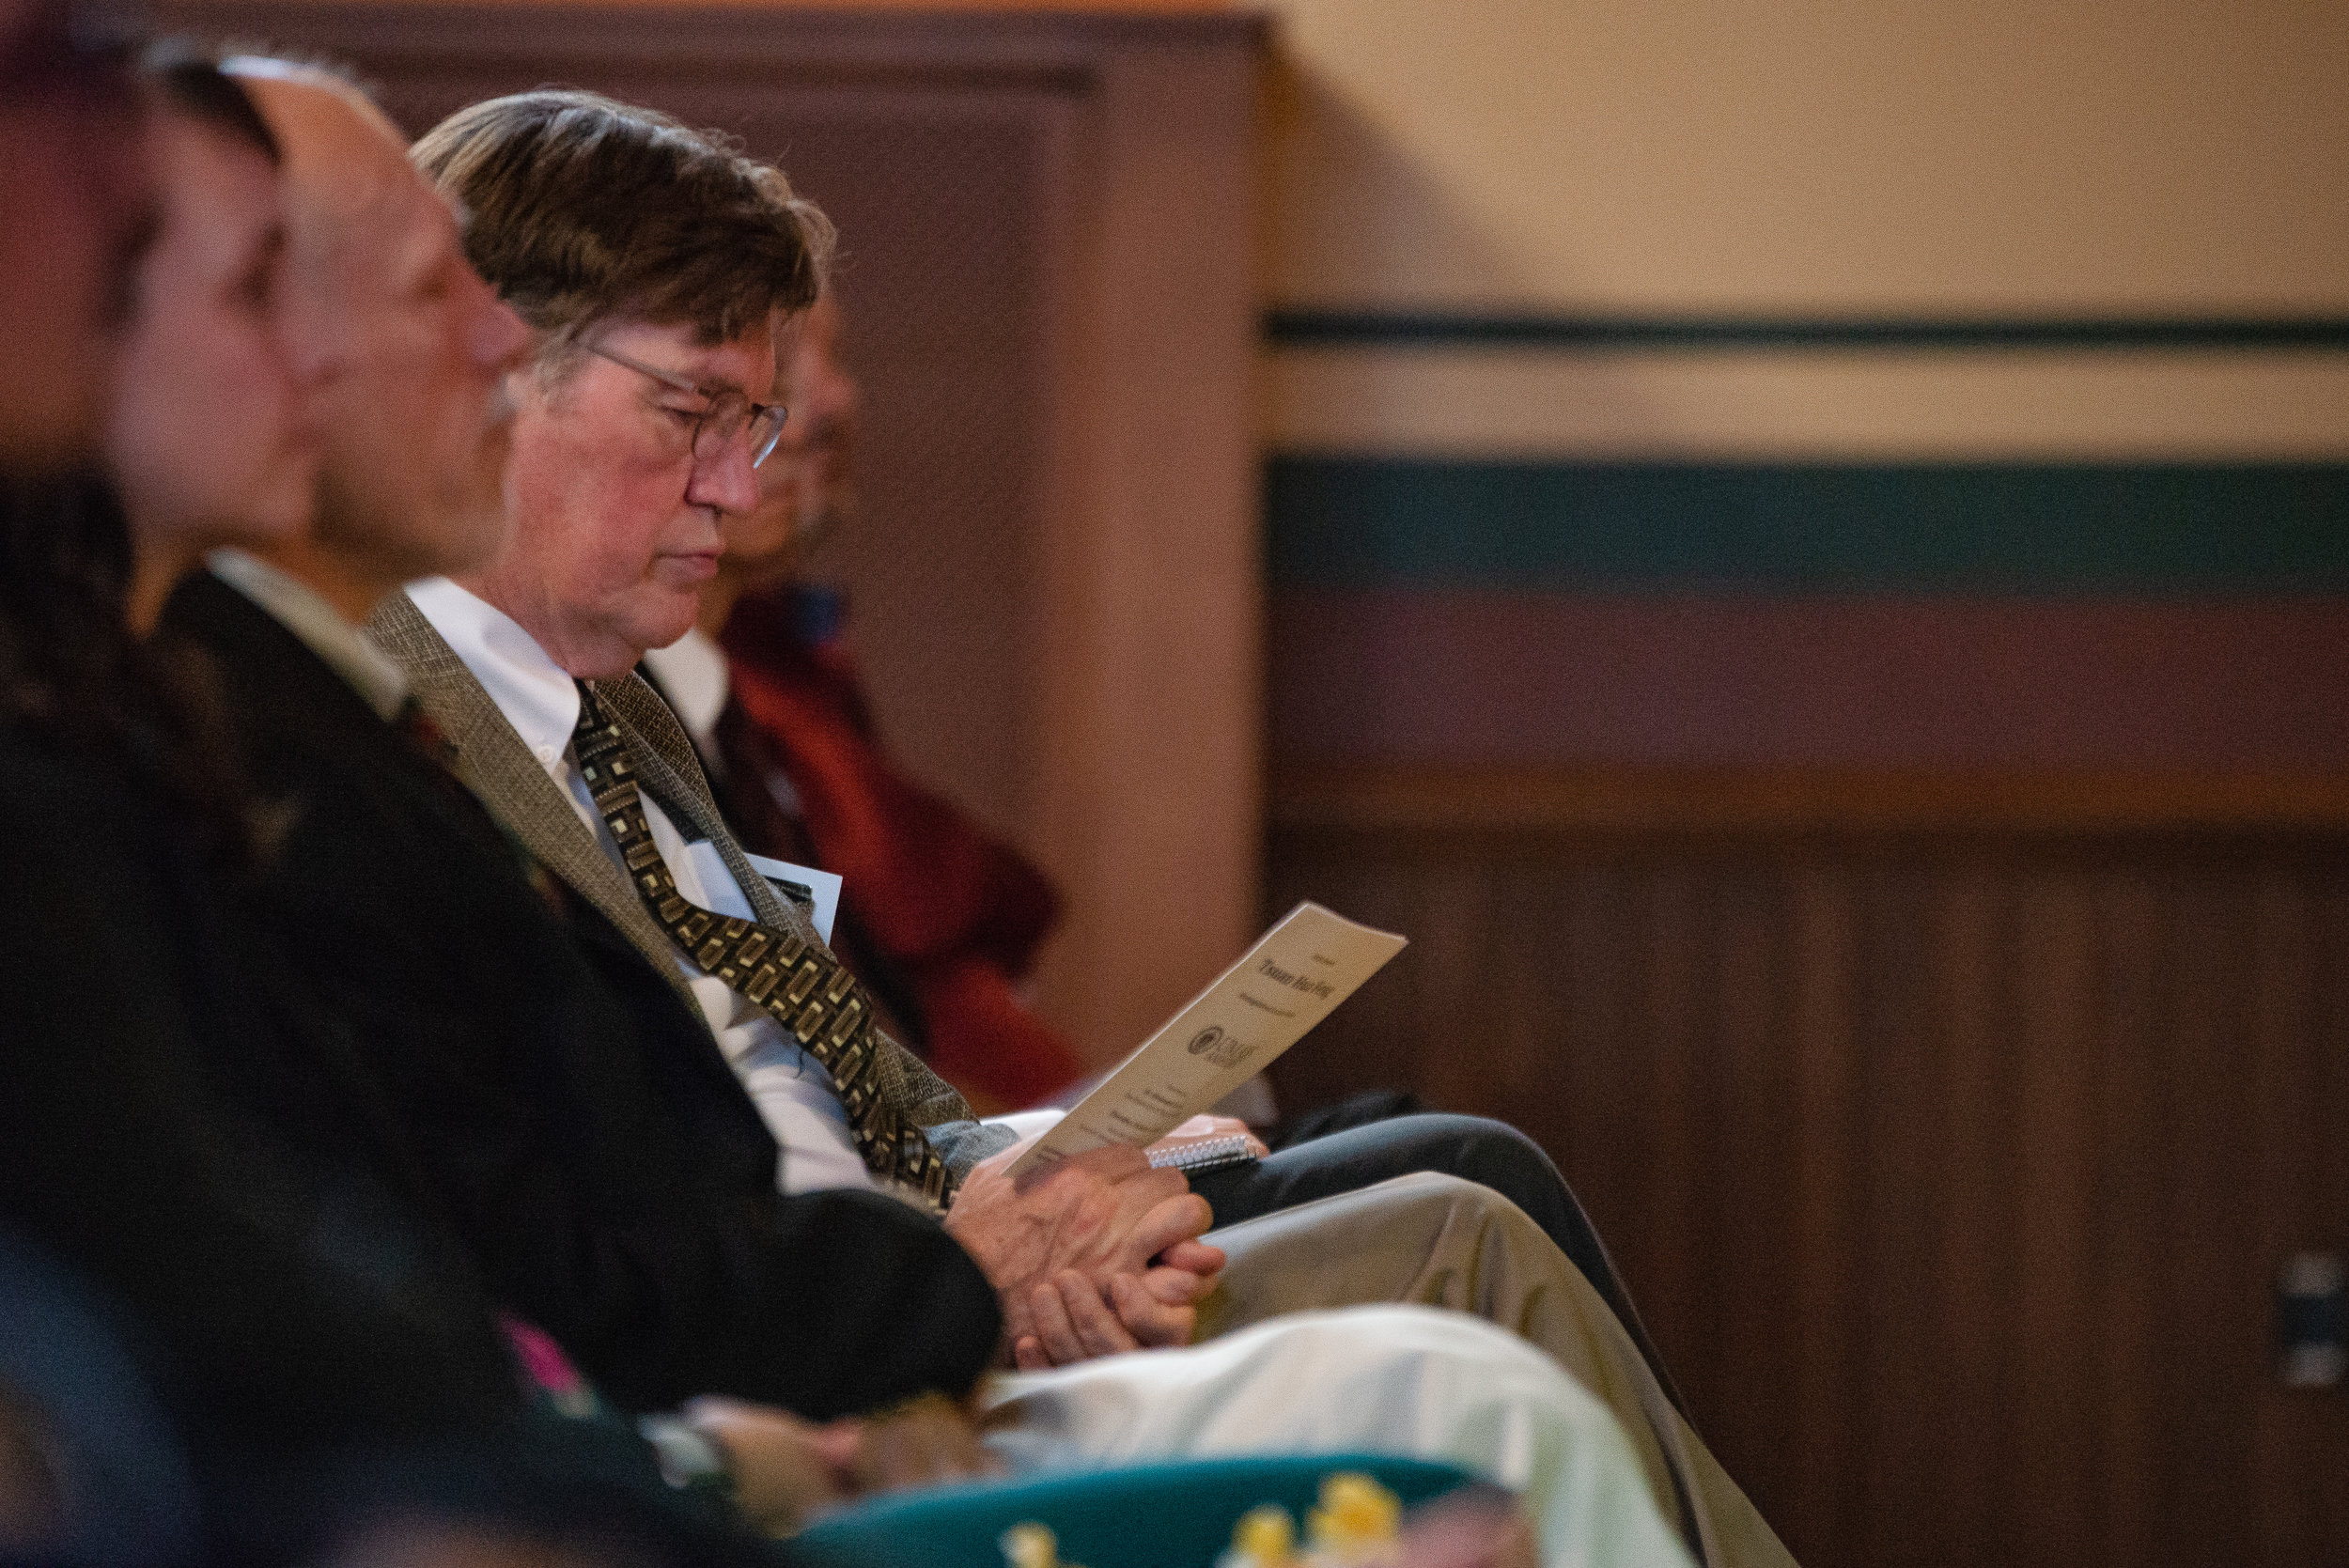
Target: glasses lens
point(730, 417)
point(766, 430)
point(720, 423)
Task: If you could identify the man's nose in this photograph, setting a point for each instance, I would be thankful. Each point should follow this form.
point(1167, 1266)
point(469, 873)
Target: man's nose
point(315, 352)
point(725, 480)
point(495, 336)
point(311, 329)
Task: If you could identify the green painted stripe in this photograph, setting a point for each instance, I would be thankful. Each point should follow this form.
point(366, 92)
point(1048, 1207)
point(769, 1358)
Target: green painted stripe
point(2164, 529)
point(1300, 328)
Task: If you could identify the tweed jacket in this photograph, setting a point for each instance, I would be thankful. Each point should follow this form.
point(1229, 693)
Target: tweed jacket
point(493, 761)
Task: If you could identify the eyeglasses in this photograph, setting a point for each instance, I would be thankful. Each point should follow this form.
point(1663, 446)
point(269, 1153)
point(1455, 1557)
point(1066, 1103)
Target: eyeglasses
point(727, 415)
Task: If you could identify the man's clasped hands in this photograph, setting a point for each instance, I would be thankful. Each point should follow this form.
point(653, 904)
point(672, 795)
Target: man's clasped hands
point(1094, 1254)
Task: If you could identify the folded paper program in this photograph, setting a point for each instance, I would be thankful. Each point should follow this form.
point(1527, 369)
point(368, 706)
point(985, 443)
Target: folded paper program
point(1292, 979)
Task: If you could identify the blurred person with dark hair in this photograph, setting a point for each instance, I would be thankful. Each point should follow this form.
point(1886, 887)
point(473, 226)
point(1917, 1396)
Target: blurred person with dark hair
point(209, 438)
point(285, 1306)
point(320, 1352)
point(78, 202)
point(280, 1304)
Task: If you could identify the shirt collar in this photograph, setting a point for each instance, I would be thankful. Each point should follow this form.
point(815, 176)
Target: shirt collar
point(296, 606)
point(537, 695)
point(692, 676)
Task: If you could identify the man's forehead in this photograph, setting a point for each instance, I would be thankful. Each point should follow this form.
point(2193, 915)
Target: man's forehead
point(743, 364)
point(266, 75)
point(341, 153)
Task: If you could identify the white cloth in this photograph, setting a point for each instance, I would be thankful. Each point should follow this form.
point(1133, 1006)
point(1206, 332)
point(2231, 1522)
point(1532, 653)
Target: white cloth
point(793, 1092)
point(692, 676)
point(1407, 1380)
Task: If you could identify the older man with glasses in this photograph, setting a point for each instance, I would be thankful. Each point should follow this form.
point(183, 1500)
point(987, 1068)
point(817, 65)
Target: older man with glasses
point(636, 434)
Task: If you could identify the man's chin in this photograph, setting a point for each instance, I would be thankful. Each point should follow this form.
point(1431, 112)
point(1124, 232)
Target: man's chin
point(475, 532)
point(665, 632)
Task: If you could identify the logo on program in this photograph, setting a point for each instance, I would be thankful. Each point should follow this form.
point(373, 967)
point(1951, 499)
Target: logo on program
point(1219, 1048)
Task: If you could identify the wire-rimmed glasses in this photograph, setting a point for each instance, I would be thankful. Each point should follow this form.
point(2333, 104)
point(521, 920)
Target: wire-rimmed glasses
point(725, 415)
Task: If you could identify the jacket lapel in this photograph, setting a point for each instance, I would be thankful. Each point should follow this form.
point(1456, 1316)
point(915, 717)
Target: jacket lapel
point(493, 761)
point(501, 770)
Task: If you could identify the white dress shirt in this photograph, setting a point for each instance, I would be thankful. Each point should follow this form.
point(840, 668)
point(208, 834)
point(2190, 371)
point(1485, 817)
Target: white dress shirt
point(692, 676)
point(793, 1092)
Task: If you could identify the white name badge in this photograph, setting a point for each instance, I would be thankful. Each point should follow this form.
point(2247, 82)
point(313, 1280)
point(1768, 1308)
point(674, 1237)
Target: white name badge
point(817, 892)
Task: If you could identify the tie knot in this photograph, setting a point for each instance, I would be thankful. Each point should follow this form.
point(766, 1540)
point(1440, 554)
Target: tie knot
point(591, 713)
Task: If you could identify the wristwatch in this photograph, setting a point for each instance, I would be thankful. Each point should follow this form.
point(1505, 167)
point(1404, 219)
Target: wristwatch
point(690, 1460)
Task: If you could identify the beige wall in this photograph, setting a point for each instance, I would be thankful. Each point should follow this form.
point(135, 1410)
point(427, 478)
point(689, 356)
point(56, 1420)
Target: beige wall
point(1810, 157)
point(1814, 155)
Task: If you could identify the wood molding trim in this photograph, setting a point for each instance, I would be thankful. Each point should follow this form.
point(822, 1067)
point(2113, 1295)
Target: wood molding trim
point(773, 45)
point(1630, 801)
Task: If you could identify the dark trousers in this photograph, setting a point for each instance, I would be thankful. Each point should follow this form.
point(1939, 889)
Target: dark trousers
point(1492, 1153)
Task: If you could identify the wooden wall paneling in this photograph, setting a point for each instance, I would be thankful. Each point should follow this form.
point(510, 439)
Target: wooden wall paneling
point(2125, 1352)
point(1902, 1416)
point(2052, 1073)
point(1595, 1074)
point(2200, 1057)
point(1949, 1170)
point(1749, 1088)
point(2286, 1101)
point(1824, 1340)
point(1669, 1011)
point(2326, 1226)
point(1152, 697)
point(2325, 1422)
point(1046, 232)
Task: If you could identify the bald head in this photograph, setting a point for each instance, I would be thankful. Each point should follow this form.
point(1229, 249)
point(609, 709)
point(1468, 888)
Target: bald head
point(411, 401)
point(345, 160)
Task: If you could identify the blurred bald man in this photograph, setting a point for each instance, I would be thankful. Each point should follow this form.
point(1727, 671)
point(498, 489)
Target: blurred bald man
point(414, 400)
point(553, 1095)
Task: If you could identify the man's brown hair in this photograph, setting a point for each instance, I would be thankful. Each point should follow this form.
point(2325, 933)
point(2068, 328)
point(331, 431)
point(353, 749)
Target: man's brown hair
point(583, 208)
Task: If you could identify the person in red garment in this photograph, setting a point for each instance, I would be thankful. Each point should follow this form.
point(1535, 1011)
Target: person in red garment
point(937, 917)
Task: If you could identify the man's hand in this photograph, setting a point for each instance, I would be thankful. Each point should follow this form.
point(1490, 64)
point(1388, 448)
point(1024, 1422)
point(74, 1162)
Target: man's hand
point(1198, 1130)
point(1098, 1215)
point(1077, 1320)
point(786, 1470)
point(923, 1443)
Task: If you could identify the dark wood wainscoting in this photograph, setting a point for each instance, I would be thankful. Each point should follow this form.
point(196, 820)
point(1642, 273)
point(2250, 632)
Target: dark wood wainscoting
point(1951, 1162)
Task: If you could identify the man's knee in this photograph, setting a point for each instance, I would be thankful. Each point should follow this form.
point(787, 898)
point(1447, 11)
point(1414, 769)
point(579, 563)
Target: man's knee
point(1479, 1149)
point(1417, 1203)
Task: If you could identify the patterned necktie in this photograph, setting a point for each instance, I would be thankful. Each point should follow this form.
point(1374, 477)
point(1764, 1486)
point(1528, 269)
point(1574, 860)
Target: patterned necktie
point(806, 990)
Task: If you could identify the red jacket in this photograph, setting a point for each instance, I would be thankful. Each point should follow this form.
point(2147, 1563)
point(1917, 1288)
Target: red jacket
point(938, 911)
